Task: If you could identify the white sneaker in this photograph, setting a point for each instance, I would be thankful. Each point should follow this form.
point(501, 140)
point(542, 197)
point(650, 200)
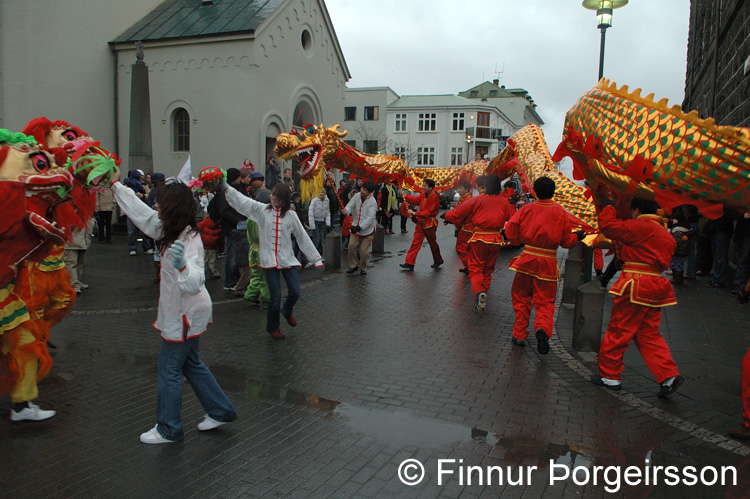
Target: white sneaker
point(84, 286)
point(153, 436)
point(482, 302)
point(132, 253)
point(150, 252)
point(31, 412)
point(209, 424)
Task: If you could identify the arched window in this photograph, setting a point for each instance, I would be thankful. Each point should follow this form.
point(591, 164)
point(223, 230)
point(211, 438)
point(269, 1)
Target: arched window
point(181, 130)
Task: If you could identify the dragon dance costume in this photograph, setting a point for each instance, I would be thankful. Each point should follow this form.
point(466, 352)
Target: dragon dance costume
point(464, 233)
point(640, 292)
point(426, 226)
point(542, 227)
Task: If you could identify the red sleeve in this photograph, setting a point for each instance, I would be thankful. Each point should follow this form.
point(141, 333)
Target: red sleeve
point(513, 227)
point(413, 200)
point(431, 206)
point(614, 228)
point(461, 214)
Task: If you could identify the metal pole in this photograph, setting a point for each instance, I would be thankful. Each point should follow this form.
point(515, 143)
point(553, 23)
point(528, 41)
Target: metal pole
point(601, 53)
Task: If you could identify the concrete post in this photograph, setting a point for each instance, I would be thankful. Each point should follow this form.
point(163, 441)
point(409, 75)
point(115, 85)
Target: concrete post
point(378, 242)
point(332, 251)
point(572, 274)
point(587, 321)
point(140, 155)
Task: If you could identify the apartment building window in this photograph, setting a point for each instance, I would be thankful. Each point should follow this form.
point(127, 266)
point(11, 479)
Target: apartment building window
point(474, 93)
point(400, 122)
point(352, 143)
point(483, 119)
point(400, 152)
point(427, 122)
point(425, 156)
point(370, 146)
point(493, 93)
point(457, 156)
point(181, 130)
point(458, 121)
point(371, 113)
point(350, 114)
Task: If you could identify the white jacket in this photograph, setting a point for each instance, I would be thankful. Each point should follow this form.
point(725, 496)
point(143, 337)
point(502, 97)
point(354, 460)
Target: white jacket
point(319, 211)
point(182, 293)
point(363, 214)
point(275, 232)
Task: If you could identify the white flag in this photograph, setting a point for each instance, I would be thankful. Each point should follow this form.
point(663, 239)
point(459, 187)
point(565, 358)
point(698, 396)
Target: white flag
point(186, 174)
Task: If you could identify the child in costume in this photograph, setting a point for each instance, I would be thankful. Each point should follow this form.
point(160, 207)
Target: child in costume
point(277, 223)
point(541, 227)
point(210, 235)
point(184, 310)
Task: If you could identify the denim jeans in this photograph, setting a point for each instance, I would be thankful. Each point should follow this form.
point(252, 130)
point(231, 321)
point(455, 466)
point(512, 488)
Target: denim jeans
point(720, 246)
point(273, 278)
point(183, 358)
point(743, 263)
point(318, 236)
point(230, 280)
point(133, 234)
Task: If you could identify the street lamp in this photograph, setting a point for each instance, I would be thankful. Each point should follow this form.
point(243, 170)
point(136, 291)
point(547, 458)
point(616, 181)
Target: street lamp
point(468, 149)
point(603, 10)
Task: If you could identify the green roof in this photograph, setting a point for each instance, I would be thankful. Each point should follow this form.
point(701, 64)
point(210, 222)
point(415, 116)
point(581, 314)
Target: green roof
point(175, 19)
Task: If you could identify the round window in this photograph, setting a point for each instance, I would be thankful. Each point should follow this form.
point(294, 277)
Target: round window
point(306, 40)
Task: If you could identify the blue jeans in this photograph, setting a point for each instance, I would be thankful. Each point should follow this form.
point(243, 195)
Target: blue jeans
point(273, 278)
point(720, 246)
point(318, 236)
point(183, 358)
point(133, 234)
point(229, 262)
point(743, 263)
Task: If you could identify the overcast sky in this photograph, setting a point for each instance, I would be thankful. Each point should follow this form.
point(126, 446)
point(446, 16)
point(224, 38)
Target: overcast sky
point(548, 47)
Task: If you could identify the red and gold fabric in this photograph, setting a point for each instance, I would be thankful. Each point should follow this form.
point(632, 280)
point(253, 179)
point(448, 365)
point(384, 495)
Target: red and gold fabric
point(542, 227)
point(487, 214)
point(428, 209)
point(647, 249)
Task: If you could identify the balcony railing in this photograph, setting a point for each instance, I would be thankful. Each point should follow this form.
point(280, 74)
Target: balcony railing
point(483, 132)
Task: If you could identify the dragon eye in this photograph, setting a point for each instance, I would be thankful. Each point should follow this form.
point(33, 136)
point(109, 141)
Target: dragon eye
point(310, 130)
point(70, 134)
point(40, 162)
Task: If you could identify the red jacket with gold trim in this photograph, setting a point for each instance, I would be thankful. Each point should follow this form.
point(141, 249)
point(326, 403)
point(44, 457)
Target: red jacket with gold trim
point(428, 209)
point(647, 249)
point(541, 226)
point(468, 226)
point(487, 214)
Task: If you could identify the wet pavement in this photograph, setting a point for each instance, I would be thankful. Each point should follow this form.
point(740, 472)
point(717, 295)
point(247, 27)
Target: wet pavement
point(381, 369)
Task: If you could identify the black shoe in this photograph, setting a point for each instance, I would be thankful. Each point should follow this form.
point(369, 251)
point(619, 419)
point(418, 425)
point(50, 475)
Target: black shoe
point(669, 386)
point(598, 381)
point(362, 272)
point(464, 270)
point(404, 231)
point(516, 341)
point(543, 342)
point(351, 270)
point(436, 265)
point(741, 431)
point(407, 266)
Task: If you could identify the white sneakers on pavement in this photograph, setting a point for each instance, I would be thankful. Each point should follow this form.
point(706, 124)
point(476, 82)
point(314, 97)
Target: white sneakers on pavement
point(209, 424)
point(133, 253)
point(31, 412)
point(153, 436)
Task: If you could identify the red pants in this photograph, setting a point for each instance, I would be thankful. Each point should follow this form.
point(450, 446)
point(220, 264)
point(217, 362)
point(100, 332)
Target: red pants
point(416, 244)
point(641, 324)
point(746, 388)
point(528, 290)
point(481, 265)
point(598, 259)
point(462, 246)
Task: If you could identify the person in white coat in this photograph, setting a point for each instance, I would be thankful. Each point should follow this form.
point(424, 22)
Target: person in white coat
point(184, 310)
point(319, 219)
point(362, 208)
point(276, 225)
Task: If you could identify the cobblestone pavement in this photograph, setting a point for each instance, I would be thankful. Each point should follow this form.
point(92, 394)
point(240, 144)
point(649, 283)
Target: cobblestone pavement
point(381, 368)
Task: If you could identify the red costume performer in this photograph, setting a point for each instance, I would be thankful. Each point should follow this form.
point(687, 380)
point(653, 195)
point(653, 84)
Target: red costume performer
point(488, 214)
point(426, 222)
point(464, 233)
point(542, 227)
point(640, 292)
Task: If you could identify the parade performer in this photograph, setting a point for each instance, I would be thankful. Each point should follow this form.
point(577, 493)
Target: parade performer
point(488, 214)
point(31, 186)
point(184, 309)
point(640, 292)
point(743, 430)
point(276, 225)
point(463, 231)
point(428, 202)
point(541, 227)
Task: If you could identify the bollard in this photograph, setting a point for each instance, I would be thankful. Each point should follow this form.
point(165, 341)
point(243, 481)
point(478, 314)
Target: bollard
point(572, 274)
point(332, 251)
point(378, 242)
point(587, 321)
